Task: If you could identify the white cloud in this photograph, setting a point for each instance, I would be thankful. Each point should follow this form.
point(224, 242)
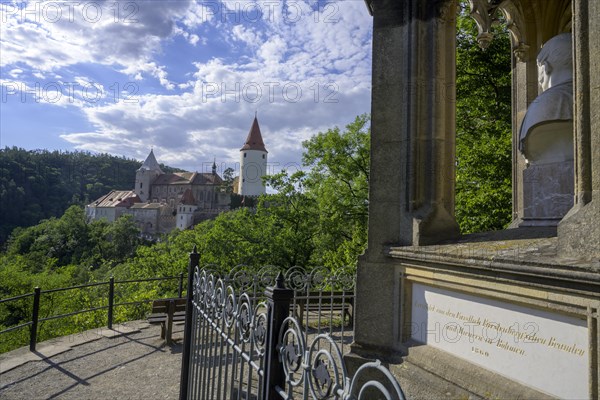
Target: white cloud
point(304, 70)
point(273, 50)
point(47, 36)
point(193, 39)
point(15, 73)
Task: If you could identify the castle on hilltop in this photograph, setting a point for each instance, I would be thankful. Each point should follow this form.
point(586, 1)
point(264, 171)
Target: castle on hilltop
point(161, 202)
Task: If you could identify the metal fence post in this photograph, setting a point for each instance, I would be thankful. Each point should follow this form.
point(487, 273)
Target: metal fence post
point(180, 288)
point(111, 300)
point(187, 331)
point(278, 309)
point(34, 318)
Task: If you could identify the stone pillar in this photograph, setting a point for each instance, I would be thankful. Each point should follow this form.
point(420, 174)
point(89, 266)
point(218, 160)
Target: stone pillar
point(579, 231)
point(413, 123)
point(412, 151)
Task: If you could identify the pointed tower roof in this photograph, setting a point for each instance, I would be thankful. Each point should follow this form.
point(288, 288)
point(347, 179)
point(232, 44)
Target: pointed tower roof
point(188, 198)
point(151, 164)
point(254, 140)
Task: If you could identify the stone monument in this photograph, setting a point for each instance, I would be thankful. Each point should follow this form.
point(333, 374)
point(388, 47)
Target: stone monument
point(507, 314)
point(546, 138)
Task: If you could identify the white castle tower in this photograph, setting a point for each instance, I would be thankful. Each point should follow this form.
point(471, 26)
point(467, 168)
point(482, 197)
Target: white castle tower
point(253, 163)
point(146, 175)
point(185, 210)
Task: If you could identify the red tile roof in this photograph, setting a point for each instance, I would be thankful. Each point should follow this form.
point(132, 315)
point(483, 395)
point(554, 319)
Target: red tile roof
point(188, 198)
point(254, 140)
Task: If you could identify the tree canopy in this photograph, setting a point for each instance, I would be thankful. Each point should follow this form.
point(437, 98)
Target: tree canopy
point(40, 184)
point(483, 129)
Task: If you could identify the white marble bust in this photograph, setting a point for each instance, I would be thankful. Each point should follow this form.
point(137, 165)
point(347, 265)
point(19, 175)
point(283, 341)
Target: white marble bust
point(547, 131)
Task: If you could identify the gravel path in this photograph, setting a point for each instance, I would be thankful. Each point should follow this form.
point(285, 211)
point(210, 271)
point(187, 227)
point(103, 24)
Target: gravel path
point(138, 365)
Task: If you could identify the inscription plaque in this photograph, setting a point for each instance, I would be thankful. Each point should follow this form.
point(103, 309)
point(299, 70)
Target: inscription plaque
point(541, 349)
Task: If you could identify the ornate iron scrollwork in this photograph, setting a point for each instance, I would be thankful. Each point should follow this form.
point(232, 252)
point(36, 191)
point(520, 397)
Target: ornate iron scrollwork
point(322, 378)
point(259, 324)
point(244, 317)
point(386, 386)
point(297, 278)
point(291, 347)
point(319, 372)
point(229, 338)
point(328, 373)
point(230, 307)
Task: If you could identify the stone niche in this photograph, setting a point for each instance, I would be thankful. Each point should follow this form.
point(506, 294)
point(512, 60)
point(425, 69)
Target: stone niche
point(507, 314)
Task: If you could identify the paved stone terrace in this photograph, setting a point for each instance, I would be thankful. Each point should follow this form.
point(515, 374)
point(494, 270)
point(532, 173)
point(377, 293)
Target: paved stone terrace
point(97, 364)
point(137, 364)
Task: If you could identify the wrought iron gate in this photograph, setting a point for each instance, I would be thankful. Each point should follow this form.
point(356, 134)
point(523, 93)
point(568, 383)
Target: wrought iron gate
point(241, 343)
point(228, 342)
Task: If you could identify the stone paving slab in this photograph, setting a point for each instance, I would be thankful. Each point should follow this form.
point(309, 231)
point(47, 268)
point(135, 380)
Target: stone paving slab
point(131, 362)
point(135, 363)
point(53, 347)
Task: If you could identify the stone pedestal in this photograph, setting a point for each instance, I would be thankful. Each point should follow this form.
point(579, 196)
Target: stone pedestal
point(377, 311)
point(501, 315)
point(547, 193)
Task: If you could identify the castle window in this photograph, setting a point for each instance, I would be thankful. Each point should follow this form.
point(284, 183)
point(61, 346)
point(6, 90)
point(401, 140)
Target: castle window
point(245, 155)
point(263, 156)
point(141, 185)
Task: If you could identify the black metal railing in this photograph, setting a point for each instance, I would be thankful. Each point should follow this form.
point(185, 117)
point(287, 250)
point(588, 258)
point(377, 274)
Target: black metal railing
point(244, 339)
point(323, 299)
point(104, 302)
point(15, 298)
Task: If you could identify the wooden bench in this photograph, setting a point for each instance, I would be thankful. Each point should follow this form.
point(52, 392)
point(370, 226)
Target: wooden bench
point(165, 312)
point(325, 303)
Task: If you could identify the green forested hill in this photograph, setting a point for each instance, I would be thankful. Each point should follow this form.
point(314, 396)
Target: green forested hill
point(39, 184)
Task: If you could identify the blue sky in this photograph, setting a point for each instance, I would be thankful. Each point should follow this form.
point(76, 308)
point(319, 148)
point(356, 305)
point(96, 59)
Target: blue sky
point(183, 77)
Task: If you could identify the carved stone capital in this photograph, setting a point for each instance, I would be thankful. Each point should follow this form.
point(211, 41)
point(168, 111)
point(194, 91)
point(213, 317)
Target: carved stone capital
point(483, 11)
point(522, 52)
point(485, 14)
